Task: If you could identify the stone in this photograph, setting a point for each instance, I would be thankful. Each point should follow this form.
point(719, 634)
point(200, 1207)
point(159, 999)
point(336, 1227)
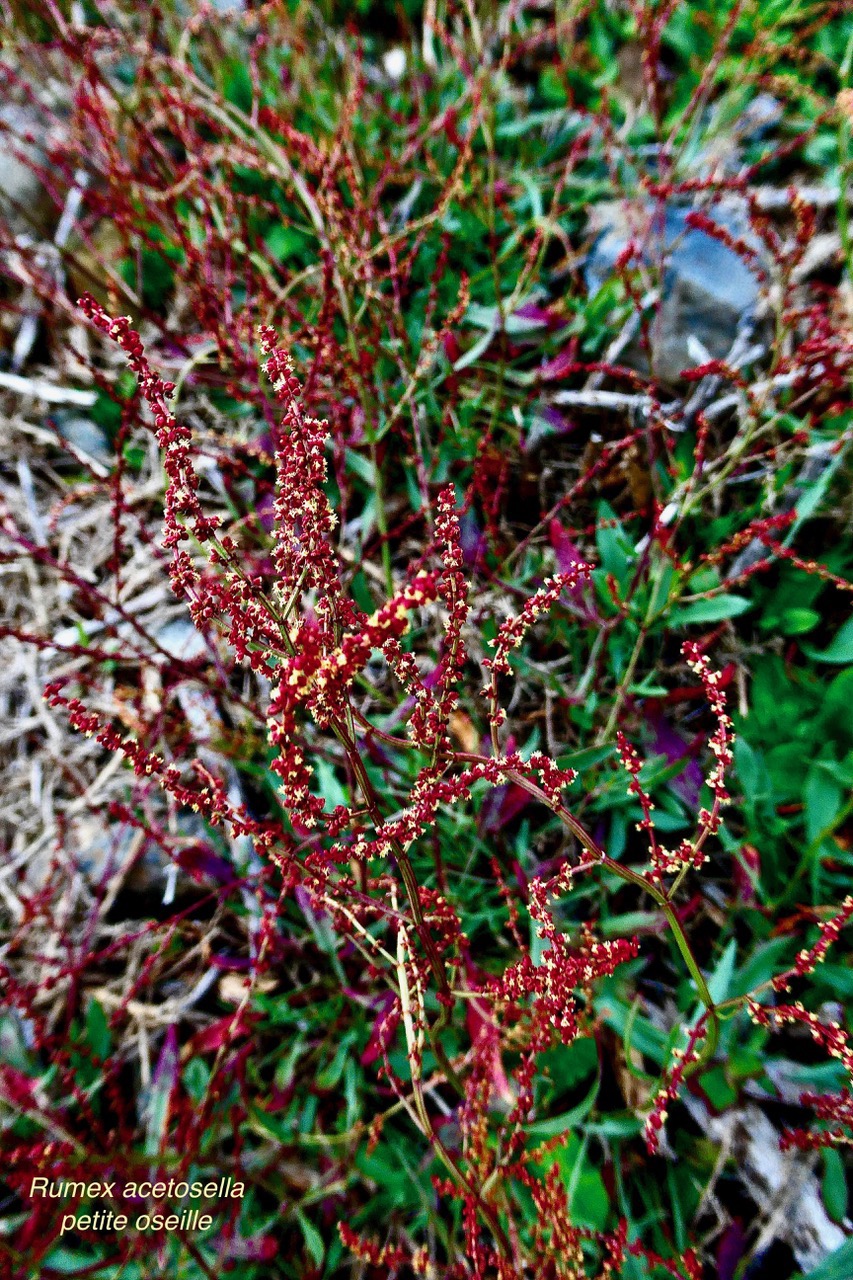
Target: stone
point(25, 206)
point(709, 292)
point(84, 436)
point(181, 639)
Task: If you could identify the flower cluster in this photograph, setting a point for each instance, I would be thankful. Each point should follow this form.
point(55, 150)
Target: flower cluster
point(407, 881)
point(632, 764)
point(321, 679)
point(681, 1064)
point(689, 853)
point(563, 968)
point(513, 630)
point(175, 439)
point(434, 706)
point(226, 591)
point(836, 1110)
point(304, 520)
point(809, 958)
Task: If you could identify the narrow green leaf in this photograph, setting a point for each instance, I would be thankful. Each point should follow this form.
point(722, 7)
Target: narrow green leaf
point(313, 1239)
point(839, 650)
point(838, 1266)
point(714, 609)
point(834, 1185)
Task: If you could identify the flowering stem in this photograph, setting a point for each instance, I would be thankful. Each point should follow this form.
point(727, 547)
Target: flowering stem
point(402, 858)
point(644, 884)
point(407, 871)
point(680, 938)
point(641, 882)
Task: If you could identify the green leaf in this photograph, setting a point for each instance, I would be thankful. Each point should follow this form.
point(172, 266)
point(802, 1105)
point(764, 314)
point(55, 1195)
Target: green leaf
point(196, 1077)
point(834, 1185)
point(765, 961)
point(650, 687)
point(720, 980)
point(570, 1064)
point(661, 588)
point(541, 1130)
point(814, 494)
point(644, 1035)
point(840, 649)
point(237, 83)
point(823, 799)
point(616, 1126)
point(585, 758)
point(159, 1102)
point(551, 86)
point(796, 622)
point(838, 978)
point(615, 548)
point(280, 1129)
point(590, 1204)
point(628, 922)
point(474, 352)
point(714, 609)
point(106, 413)
point(284, 242)
point(752, 771)
point(717, 1088)
point(14, 1051)
point(313, 1239)
point(328, 785)
point(835, 709)
point(838, 1266)
point(666, 821)
point(69, 1261)
point(531, 120)
point(330, 1075)
point(361, 467)
point(813, 1077)
point(97, 1030)
point(538, 944)
point(134, 457)
point(489, 318)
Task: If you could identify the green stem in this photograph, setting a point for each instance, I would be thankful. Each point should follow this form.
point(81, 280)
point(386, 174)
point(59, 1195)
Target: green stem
point(607, 732)
point(644, 884)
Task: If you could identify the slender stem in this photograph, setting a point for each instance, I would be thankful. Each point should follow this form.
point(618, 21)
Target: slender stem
point(607, 731)
point(641, 882)
point(402, 858)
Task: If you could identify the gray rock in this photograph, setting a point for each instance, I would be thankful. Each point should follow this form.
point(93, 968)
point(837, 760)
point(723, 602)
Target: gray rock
point(84, 436)
point(181, 639)
point(102, 849)
point(25, 206)
point(709, 292)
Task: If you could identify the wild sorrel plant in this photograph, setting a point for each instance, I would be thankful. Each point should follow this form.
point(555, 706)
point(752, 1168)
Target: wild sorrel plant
point(310, 649)
point(407, 892)
point(310, 644)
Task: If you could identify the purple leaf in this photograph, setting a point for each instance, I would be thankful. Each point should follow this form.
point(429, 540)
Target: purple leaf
point(559, 366)
point(667, 742)
point(541, 315)
point(502, 805)
point(730, 1249)
point(568, 558)
point(200, 861)
point(384, 1028)
point(472, 540)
